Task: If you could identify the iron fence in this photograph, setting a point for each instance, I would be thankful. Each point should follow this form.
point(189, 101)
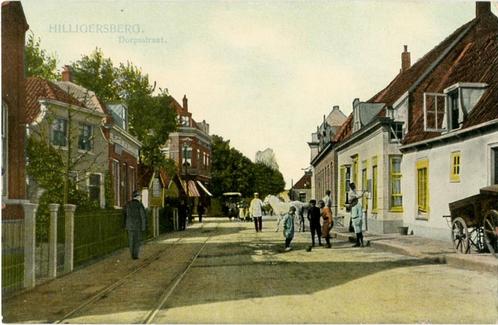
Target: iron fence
point(12, 255)
point(97, 233)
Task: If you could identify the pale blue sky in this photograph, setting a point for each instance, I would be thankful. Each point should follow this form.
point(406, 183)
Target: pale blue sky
point(261, 73)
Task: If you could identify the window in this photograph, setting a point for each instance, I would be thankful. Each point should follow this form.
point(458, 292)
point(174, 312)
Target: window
point(423, 185)
point(131, 179)
point(187, 155)
point(59, 132)
point(345, 181)
point(453, 110)
point(73, 178)
point(396, 195)
point(355, 170)
point(94, 187)
point(364, 183)
point(5, 159)
point(374, 184)
point(119, 113)
point(116, 180)
point(455, 167)
point(85, 138)
point(184, 120)
point(434, 111)
point(397, 131)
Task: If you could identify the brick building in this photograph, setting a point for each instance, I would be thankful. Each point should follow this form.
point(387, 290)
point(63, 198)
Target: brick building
point(190, 148)
point(14, 27)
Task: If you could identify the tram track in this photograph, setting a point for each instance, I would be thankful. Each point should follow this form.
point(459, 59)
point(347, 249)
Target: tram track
point(169, 288)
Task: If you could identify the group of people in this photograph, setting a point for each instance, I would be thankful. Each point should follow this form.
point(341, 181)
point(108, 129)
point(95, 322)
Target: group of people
point(321, 219)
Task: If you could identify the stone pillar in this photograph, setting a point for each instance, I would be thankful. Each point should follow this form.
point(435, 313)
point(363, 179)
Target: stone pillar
point(52, 240)
point(155, 223)
point(69, 232)
point(29, 243)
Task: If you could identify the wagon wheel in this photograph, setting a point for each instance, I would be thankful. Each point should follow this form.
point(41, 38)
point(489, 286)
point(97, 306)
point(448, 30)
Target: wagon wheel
point(491, 231)
point(460, 236)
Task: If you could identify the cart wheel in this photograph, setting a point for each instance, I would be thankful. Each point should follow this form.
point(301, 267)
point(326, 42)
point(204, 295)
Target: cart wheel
point(491, 231)
point(460, 236)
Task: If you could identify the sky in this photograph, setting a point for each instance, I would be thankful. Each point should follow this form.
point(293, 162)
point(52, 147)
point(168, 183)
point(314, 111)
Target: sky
point(261, 73)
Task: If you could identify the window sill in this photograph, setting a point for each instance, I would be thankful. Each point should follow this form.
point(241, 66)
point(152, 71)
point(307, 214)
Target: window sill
point(86, 152)
point(454, 180)
point(396, 209)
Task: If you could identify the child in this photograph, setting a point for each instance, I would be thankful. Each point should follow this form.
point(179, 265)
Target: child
point(288, 222)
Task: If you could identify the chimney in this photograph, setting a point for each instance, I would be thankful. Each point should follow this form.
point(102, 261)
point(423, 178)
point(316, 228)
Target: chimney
point(482, 8)
point(66, 73)
point(185, 102)
point(405, 59)
point(335, 108)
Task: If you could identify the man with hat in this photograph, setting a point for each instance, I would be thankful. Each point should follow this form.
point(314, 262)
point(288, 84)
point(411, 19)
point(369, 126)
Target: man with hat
point(256, 209)
point(135, 219)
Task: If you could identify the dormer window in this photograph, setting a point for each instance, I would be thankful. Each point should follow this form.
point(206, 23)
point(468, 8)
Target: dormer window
point(447, 111)
point(119, 113)
point(396, 131)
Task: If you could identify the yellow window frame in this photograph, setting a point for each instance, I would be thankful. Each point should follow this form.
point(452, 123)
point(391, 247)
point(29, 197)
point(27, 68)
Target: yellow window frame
point(355, 170)
point(455, 166)
point(392, 177)
point(342, 185)
point(374, 184)
point(364, 182)
point(423, 185)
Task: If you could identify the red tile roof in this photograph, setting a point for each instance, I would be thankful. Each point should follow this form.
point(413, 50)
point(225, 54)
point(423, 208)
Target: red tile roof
point(304, 182)
point(38, 89)
point(473, 58)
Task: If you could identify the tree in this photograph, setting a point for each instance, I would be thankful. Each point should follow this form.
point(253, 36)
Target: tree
point(97, 73)
point(38, 63)
point(232, 171)
point(151, 117)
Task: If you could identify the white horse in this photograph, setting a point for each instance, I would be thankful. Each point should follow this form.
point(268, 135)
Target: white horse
point(280, 208)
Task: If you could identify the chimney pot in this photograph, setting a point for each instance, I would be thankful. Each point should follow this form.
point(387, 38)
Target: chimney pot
point(405, 59)
point(482, 8)
point(185, 102)
point(335, 108)
point(66, 73)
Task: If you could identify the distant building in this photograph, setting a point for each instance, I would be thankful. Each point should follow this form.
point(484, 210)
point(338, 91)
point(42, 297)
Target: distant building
point(323, 156)
point(267, 157)
point(301, 191)
point(190, 148)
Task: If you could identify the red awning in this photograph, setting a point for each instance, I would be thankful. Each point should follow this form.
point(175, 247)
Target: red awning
point(192, 189)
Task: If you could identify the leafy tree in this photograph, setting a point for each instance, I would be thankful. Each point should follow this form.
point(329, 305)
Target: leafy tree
point(97, 73)
point(39, 63)
point(151, 117)
point(232, 171)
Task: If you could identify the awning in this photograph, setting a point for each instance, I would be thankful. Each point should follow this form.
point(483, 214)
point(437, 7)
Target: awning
point(204, 188)
point(192, 189)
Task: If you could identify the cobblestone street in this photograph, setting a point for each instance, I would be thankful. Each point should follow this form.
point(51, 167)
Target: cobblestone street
point(224, 272)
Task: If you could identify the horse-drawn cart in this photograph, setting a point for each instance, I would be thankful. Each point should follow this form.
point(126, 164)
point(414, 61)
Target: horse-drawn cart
point(474, 222)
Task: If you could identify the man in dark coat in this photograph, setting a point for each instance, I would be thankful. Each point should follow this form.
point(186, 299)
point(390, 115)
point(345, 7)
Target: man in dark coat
point(135, 220)
point(200, 211)
point(314, 219)
point(182, 215)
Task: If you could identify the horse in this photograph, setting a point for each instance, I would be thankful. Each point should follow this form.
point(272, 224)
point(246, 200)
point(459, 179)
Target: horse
point(281, 208)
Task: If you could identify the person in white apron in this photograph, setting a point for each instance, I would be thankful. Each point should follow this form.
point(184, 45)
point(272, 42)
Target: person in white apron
point(356, 214)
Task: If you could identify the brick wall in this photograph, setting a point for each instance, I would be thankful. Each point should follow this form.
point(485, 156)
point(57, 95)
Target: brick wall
point(14, 27)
